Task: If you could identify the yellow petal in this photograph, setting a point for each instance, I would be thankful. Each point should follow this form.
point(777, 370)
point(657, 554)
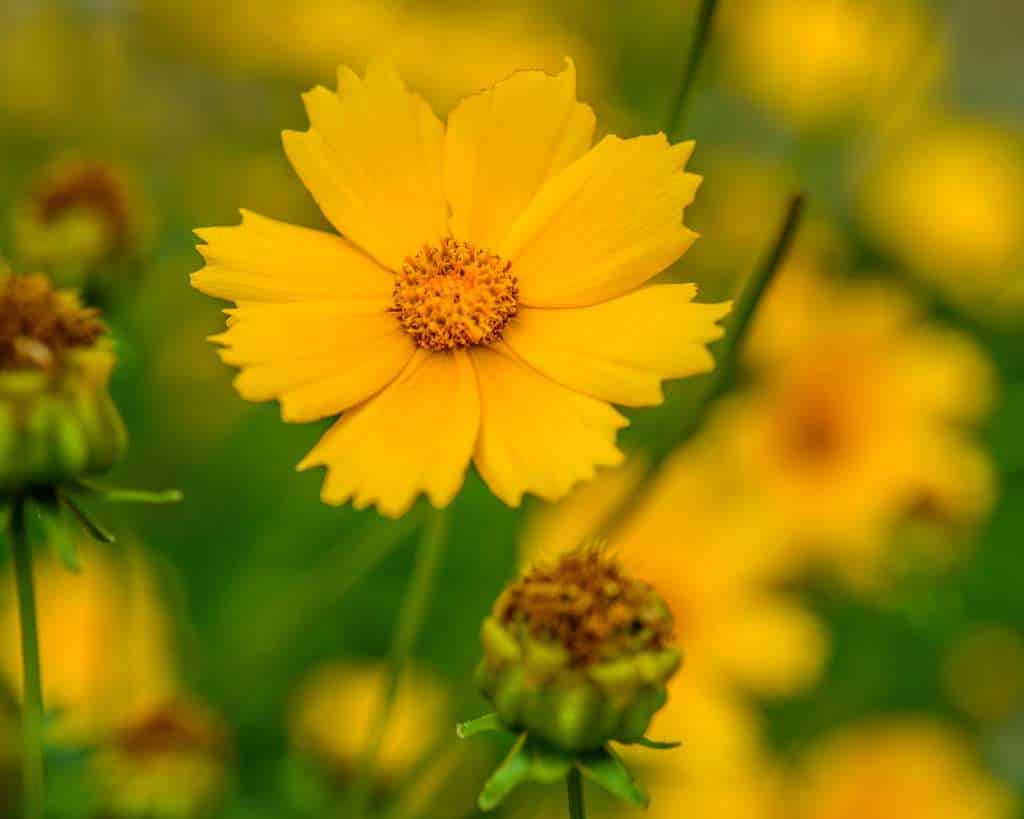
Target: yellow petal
point(372, 160)
point(266, 260)
point(535, 435)
point(605, 224)
point(622, 349)
point(416, 436)
point(317, 358)
point(502, 144)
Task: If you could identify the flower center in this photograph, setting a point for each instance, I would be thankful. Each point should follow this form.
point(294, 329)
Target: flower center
point(454, 296)
point(37, 323)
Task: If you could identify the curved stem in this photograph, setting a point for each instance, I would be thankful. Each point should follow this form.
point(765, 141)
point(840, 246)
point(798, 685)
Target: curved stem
point(574, 784)
point(701, 38)
point(410, 621)
point(724, 374)
point(32, 696)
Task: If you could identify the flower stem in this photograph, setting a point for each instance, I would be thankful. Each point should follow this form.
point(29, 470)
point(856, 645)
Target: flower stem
point(574, 784)
point(724, 374)
point(701, 38)
point(32, 697)
point(410, 621)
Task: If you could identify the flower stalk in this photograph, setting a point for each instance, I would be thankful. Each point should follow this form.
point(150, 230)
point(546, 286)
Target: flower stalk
point(32, 686)
point(701, 39)
point(410, 623)
point(574, 786)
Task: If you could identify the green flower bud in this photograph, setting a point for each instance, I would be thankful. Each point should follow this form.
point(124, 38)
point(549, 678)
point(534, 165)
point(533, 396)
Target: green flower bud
point(57, 420)
point(578, 653)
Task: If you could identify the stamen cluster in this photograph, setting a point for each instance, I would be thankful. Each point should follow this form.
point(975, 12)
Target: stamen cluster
point(589, 605)
point(38, 323)
point(454, 296)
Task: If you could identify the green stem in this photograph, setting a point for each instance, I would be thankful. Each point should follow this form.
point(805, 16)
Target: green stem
point(701, 38)
point(410, 621)
point(724, 375)
point(32, 686)
point(574, 784)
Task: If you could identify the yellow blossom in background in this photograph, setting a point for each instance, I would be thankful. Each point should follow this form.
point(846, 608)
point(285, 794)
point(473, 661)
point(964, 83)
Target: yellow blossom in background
point(166, 763)
point(105, 641)
point(36, 65)
point(897, 769)
point(718, 568)
point(487, 301)
point(858, 420)
point(832, 61)
point(948, 202)
point(333, 709)
point(445, 52)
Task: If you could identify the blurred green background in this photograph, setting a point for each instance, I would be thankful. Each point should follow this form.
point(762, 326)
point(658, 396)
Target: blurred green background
point(900, 120)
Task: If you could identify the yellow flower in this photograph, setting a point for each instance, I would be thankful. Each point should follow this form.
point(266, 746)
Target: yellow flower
point(858, 420)
point(333, 709)
point(718, 569)
point(487, 301)
point(821, 63)
point(972, 247)
point(897, 769)
point(167, 763)
point(104, 641)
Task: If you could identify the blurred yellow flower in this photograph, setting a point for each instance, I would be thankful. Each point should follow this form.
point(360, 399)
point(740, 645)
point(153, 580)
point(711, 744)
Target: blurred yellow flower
point(858, 420)
point(501, 332)
point(897, 769)
point(972, 247)
point(104, 641)
point(333, 709)
point(168, 763)
point(718, 569)
point(831, 61)
point(445, 52)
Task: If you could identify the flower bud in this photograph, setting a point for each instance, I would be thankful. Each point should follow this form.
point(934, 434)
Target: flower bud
point(57, 420)
point(578, 653)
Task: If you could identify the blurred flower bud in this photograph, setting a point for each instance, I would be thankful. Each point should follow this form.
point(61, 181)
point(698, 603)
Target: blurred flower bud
point(578, 653)
point(57, 420)
point(169, 764)
point(83, 223)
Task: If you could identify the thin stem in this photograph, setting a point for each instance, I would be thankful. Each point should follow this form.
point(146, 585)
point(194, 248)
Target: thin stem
point(32, 686)
point(574, 784)
point(701, 38)
point(410, 621)
point(724, 374)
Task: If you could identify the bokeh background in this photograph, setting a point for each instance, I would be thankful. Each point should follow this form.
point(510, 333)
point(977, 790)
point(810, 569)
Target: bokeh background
point(841, 545)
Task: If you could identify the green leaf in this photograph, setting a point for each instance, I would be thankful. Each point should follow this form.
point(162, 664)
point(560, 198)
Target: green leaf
point(512, 772)
point(654, 745)
point(115, 495)
point(480, 725)
point(604, 768)
point(58, 534)
point(95, 530)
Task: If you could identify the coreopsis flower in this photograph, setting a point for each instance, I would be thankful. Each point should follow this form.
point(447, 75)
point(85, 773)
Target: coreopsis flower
point(105, 642)
point(167, 763)
point(82, 221)
point(971, 249)
point(859, 421)
point(486, 301)
point(897, 768)
point(832, 62)
point(57, 420)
